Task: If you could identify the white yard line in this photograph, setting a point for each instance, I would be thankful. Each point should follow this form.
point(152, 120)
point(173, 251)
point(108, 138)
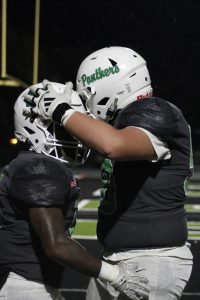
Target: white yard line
point(83, 203)
point(84, 237)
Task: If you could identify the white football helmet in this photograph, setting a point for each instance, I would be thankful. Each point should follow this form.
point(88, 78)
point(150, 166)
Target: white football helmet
point(111, 78)
point(47, 137)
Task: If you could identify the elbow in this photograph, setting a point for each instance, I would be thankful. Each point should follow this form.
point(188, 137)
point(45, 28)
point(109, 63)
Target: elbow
point(111, 150)
point(59, 251)
point(52, 252)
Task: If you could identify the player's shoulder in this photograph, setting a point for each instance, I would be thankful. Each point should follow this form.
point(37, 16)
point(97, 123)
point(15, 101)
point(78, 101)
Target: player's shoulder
point(32, 163)
point(153, 110)
point(154, 114)
point(38, 180)
point(152, 105)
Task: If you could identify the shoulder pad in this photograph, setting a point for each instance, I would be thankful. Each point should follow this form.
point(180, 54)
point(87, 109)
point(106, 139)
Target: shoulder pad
point(39, 181)
point(154, 114)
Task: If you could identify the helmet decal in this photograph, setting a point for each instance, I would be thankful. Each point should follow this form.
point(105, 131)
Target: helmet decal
point(99, 74)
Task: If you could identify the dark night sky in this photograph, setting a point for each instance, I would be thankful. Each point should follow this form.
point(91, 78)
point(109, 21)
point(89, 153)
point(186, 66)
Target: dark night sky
point(166, 33)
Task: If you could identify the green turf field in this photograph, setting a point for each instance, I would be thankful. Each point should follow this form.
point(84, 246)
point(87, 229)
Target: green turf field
point(90, 205)
point(85, 228)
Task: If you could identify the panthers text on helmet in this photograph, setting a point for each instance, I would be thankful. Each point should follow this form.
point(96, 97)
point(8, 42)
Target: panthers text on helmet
point(99, 74)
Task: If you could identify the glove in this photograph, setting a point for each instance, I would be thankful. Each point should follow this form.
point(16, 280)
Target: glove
point(49, 104)
point(126, 280)
point(130, 283)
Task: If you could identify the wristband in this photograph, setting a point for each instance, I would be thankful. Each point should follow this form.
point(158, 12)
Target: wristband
point(60, 111)
point(108, 272)
point(66, 116)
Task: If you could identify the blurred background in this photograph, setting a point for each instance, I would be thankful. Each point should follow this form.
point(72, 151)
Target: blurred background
point(50, 38)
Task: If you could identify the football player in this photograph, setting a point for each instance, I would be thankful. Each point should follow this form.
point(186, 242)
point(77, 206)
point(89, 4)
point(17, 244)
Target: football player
point(38, 203)
point(146, 142)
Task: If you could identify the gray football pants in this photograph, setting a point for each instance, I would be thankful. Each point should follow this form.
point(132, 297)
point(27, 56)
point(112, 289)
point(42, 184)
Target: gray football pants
point(167, 277)
point(18, 288)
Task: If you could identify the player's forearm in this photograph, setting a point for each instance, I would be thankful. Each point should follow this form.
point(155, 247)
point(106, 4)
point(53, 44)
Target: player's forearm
point(71, 253)
point(116, 144)
point(48, 223)
point(94, 133)
point(121, 277)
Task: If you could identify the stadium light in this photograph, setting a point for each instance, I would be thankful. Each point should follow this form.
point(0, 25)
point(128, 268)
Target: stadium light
point(13, 141)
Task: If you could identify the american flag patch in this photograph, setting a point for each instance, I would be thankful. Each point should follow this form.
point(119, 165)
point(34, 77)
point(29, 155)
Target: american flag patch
point(74, 183)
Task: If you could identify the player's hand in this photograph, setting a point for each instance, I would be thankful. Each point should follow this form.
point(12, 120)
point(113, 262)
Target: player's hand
point(49, 104)
point(129, 282)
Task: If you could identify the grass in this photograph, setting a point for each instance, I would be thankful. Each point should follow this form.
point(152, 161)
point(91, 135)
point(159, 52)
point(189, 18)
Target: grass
point(85, 227)
point(192, 208)
point(93, 204)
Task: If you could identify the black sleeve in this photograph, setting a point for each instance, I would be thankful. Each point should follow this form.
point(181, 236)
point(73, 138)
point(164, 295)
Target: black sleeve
point(40, 182)
point(154, 114)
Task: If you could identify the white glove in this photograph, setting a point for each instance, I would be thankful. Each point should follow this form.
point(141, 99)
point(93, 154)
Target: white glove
point(49, 104)
point(126, 279)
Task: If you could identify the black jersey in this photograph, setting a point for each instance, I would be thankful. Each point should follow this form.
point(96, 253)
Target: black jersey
point(142, 202)
point(33, 180)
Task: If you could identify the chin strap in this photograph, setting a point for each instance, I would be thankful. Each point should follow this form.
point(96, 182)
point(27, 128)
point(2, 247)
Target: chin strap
point(111, 111)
